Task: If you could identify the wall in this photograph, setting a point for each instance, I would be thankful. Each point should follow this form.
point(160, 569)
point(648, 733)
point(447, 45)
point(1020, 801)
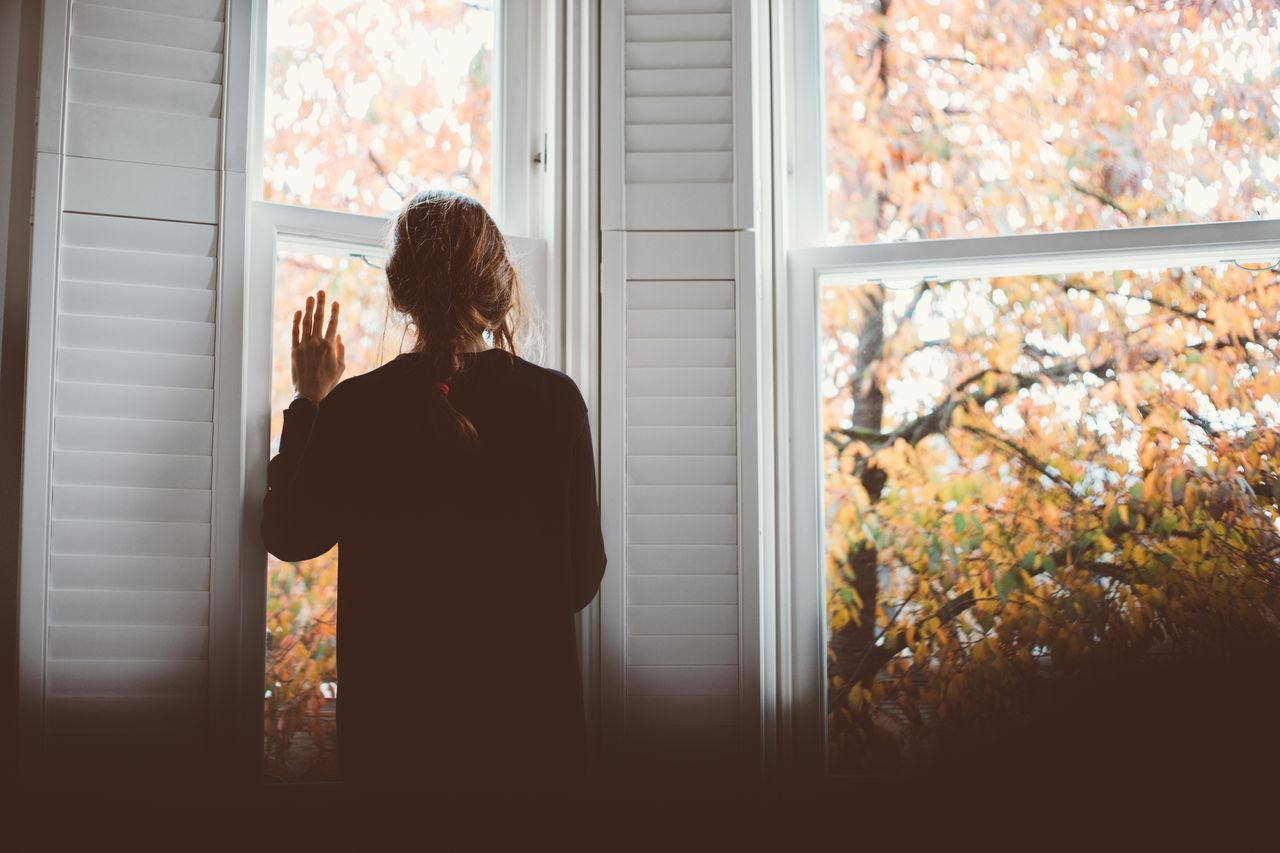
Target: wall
point(19, 69)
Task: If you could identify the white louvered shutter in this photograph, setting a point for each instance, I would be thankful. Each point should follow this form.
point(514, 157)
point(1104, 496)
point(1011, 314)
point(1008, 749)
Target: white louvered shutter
point(677, 267)
point(119, 494)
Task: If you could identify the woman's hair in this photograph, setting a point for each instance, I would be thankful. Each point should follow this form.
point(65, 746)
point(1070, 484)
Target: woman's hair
point(449, 271)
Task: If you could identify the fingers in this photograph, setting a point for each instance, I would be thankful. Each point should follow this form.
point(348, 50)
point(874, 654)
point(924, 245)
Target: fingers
point(332, 331)
point(317, 319)
point(297, 322)
point(342, 354)
point(305, 332)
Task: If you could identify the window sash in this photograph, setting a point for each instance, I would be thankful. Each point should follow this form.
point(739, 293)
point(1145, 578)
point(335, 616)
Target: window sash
point(798, 621)
point(801, 591)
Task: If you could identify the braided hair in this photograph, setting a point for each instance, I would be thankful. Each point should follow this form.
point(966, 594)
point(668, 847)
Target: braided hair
point(449, 271)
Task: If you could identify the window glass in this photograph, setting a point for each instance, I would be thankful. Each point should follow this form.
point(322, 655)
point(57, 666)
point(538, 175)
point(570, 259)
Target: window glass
point(369, 102)
point(301, 670)
point(965, 118)
point(1025, 476)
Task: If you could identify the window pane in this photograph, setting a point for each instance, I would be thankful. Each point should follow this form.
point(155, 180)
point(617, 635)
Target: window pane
point(301, 671)
point(956, 118)
point(1025, 477)
point(369, 102)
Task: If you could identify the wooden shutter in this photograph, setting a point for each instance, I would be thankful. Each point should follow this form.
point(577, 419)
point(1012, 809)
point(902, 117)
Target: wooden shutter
point(678, 668)
point(133, 272)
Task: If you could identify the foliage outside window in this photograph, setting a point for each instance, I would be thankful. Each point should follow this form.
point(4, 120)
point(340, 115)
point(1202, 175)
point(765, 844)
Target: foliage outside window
point(970, 118)
point(1027, 475)
point(369, 102)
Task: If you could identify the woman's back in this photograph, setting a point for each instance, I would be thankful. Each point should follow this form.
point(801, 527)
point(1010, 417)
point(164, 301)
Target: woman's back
point(461, 566)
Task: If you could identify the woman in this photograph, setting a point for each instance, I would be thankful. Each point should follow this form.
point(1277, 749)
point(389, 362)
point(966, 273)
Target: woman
point(459, 481)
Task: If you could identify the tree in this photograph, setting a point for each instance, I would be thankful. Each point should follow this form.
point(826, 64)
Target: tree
point(1028, 473)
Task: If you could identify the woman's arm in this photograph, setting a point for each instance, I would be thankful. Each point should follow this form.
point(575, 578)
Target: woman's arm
point(584, 519)
point(300, 511)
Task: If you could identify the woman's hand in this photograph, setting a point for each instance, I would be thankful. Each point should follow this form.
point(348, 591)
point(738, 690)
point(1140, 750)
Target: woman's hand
point(318, 354)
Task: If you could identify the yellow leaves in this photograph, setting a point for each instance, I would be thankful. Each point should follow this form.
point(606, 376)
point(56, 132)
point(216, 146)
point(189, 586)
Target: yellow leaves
point(1004, 352)
point(859, 697)
point(1148, 455)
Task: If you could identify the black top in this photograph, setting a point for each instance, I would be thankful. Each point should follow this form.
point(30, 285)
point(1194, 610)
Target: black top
point(460, 569)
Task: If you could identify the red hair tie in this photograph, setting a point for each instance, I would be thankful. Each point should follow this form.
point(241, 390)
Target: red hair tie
point(442, 388)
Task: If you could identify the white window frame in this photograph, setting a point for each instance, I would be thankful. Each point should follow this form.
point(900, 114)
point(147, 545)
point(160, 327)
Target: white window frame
point(800, 613)
point(529, 189)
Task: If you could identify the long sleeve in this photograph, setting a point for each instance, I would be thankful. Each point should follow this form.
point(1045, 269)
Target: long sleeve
point(300, 510)
point(584, 521)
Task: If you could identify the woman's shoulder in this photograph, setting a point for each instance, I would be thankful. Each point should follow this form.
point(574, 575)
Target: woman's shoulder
point(548, 380)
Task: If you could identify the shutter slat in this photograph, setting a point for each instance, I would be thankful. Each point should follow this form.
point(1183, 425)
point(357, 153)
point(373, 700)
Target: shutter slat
point(681, 441)
point(659, 650)
point(136, 335)
point(120, 677)
point(102, 571)
point(700, 500)
point(121, 368)
point(669, 28)
point(129, 642)
point(143, 136)
point(135, 92)
point(682, 470)
point(689, 559)
point(120, 267)
point(683, 619)
point(678, 712)
point(672, 7)
point(679, 109)
point(682, 589)
point(92, 714)
point(679, 81)
point(681, 381)
point(132, 607)
point(132, 504)
point(682, 680)
point(692, 205)
point(681, 411)
point(148, 60)
point(84, 399)
point(152, 302)
point(677, 256)
point(117, 188)
point(151, 236)
point(132, 435)
point(209, 10)
point(682, 529)
point(679, 137)
point(126, 538)
point(151, 470)
point(704, 167)
point(679, 54)
point(680, 294)
point(680, 352)
point(676, 323)
point(149, 27)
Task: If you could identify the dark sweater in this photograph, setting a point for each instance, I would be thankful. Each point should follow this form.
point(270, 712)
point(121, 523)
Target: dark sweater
point(460, 569)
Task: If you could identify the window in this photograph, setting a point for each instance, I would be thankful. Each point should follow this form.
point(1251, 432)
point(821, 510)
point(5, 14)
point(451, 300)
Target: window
point(367, 103)
point(360, 106)
point(1047, 440)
